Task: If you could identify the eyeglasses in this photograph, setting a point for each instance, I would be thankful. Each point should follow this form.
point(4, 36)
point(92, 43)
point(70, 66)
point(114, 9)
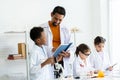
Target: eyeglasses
point(86, 54)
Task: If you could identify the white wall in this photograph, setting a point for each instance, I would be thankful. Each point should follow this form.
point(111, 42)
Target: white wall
point(100, 20)
point(115, 31)
point(17, 15)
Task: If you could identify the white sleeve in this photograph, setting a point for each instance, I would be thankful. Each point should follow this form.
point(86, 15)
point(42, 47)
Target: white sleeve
point(91, 68)
point(75, 68)
point(35, 67)
point(91, 59)
point(108, 63)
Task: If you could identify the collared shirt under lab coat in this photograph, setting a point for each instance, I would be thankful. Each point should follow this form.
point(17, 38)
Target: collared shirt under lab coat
point(37, 56)
point(80, 68)
point(65, 38)
point(100, 61)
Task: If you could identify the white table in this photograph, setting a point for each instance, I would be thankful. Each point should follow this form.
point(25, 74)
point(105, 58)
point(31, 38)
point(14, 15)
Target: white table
point(109, 76)
point(12, 69)
point(86, 78)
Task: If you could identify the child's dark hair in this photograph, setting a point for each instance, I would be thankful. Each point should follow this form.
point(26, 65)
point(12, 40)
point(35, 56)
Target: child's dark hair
point(83, 48)
point(99, 40)
point(60, 10)
point(35, 33)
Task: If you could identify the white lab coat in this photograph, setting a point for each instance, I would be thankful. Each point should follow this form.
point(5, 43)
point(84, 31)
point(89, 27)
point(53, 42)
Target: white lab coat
point(100, 61)
point(80, 68)
point(65, 38)
point(38, 56)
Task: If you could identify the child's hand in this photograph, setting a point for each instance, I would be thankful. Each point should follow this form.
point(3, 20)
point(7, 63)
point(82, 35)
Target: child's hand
point(48, 61)
point(110, 68)
point(90, 73)
point(51, 60)
point(59, 58)
point(96, 71)
point(65, 54)
point(53, 49)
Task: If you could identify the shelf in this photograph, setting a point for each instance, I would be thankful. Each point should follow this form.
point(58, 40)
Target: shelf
point(15, 32)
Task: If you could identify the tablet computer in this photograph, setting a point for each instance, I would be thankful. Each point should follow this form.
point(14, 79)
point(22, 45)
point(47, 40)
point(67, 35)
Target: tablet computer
point(62, 47)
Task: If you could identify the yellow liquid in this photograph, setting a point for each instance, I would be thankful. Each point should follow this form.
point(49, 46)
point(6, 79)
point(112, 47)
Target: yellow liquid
point(100, 74)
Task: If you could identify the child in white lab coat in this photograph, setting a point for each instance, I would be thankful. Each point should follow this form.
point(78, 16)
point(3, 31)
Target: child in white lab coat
point(99, 58)
point(81, 64)
point(40, 63)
